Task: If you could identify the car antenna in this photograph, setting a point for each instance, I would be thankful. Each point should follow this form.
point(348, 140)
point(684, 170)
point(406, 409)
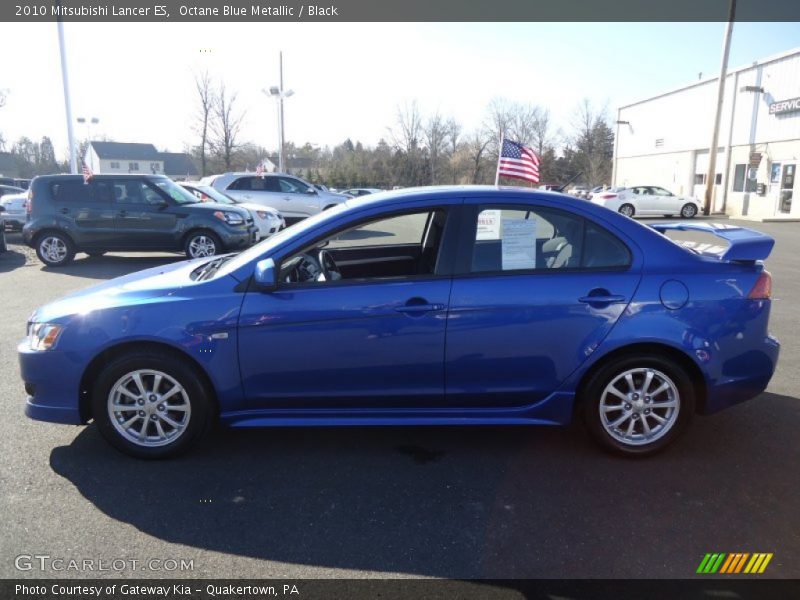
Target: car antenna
point(574, 177)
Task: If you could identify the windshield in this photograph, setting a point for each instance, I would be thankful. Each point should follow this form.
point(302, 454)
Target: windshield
point(176, 192)
point(258, 251)
point(214, 195)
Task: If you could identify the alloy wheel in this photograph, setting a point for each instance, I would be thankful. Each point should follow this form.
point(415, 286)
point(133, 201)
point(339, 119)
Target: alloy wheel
point(53, 249)
point(149, 408)
point(639, 406)
point(201, 246)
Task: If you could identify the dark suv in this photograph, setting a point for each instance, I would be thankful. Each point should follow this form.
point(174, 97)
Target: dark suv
point(127, 213)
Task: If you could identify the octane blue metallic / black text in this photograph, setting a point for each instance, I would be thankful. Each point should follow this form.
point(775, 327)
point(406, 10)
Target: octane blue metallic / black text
point(434, 306)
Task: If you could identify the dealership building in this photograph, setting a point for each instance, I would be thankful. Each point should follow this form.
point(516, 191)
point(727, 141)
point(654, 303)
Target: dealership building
point(664, 140)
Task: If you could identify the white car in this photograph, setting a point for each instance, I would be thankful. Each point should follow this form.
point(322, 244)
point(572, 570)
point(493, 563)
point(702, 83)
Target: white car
point(16, 210)
point(294, 198)
point(268, 220)
point(647, 200)
point(579, 191)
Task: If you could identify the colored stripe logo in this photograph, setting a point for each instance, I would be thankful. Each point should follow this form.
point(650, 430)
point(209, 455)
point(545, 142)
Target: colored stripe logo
point(734, 563)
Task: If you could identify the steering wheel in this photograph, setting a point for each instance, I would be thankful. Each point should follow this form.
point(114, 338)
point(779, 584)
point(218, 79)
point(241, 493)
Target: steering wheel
point(328, 266)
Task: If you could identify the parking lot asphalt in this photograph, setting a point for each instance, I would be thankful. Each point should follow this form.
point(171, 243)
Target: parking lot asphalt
point(358, 502)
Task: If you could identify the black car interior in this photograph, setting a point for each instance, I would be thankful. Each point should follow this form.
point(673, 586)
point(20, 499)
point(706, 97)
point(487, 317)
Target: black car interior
point(327, 262)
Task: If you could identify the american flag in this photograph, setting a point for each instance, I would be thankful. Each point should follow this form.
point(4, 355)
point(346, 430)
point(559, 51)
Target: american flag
point(260, 169)
point(87, 173)
point(518, 161)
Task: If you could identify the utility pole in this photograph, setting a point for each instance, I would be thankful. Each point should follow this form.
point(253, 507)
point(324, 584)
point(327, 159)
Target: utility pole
point(73, 159)
point(280, 100)
point(712, 152)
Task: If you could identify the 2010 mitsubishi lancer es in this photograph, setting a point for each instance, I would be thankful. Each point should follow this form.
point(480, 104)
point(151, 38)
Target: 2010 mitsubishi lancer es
point(435, 306)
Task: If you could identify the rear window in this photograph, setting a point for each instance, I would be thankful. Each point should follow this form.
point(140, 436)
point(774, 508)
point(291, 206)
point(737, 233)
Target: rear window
point(77, 191)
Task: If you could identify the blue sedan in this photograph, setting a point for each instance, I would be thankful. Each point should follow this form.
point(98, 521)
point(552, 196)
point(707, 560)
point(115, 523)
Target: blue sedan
point(434, 306)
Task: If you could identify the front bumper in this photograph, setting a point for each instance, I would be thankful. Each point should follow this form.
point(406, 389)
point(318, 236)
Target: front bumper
point(236, 239)
point(52, 383)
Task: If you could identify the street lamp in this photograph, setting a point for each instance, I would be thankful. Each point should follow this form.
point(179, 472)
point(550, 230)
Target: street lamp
point(277, 92)
point(89, 123)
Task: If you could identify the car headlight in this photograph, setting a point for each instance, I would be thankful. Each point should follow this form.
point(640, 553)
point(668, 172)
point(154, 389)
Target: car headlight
point(231, 218)
point(263, 214)
point(43, 336)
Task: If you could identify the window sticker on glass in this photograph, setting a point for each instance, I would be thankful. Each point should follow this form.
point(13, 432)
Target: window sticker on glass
point(488, 225)
point(519, 244)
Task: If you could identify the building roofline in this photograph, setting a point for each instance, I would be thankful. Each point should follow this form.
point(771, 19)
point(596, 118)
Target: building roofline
point(763, 61)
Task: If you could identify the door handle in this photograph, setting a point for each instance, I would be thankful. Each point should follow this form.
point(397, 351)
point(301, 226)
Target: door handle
point(601, 297)
point(122, 213)
point(419, 308)
point(64, 211)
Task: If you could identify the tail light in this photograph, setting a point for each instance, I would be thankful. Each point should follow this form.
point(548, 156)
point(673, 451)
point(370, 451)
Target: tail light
point(762, 290)
point(607, 196)
point(29, 202)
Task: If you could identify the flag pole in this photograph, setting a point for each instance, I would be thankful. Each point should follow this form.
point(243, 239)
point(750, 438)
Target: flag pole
point(499, 154)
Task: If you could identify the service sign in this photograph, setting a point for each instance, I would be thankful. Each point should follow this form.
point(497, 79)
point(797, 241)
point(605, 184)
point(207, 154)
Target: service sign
point(785, 106)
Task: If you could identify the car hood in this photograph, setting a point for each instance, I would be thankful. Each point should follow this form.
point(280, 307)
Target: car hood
point(211, 207)
point(258, 207)
point(156, 284)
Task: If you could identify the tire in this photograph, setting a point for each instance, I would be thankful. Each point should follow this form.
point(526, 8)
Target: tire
point(95, 253)
point(628, 436)
point(202, 243)
point(55, 249)
point(688, 211)
point(329, 206)
point(3, 246)
point(627, 209)
point(170, 425)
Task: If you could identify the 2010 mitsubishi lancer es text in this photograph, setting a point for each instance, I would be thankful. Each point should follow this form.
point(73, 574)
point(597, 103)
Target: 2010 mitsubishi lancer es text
point(435, 306)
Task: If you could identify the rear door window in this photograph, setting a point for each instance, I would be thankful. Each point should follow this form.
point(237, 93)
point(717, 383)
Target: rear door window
point(75, 192)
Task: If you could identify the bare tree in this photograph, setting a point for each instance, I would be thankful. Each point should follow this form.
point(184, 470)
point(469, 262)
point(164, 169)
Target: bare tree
point(406, 137)
point(477, 144)
point(593, 141)
point(453, 129)
point(226, 125)
point(435, 133)
point(205, 107)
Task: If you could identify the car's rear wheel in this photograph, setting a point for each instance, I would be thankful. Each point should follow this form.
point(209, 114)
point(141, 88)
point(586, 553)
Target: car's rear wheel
point(636, 405)
point(151, 404)
point(688, 211)
point(55, 249)
point(200, 244)
point(627, 210)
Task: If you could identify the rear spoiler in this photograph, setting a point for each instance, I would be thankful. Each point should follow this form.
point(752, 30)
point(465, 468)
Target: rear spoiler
point(745, 245)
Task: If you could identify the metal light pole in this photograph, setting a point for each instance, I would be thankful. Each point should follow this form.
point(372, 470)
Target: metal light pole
point(73, 160)
point(712, 152)
point(279, 94)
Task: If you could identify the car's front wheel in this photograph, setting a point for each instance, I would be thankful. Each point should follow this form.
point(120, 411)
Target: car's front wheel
point(55, 249)
point(151, 404)
point(200, 244)
point(688, 211)
point(637, 405)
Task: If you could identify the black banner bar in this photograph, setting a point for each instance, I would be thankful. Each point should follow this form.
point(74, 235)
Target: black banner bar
point(396, 11)
point(398, 589)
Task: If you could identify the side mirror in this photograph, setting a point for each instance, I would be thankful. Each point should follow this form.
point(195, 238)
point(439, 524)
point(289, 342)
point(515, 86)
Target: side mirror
point(265, 277)
point(311, 191)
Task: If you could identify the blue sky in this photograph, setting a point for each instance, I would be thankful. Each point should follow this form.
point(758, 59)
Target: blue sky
point(350, 78)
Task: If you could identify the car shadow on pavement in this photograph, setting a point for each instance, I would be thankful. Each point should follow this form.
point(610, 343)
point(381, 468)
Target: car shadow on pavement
point(110, 266)
point(461, 502)
point(11, 259)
